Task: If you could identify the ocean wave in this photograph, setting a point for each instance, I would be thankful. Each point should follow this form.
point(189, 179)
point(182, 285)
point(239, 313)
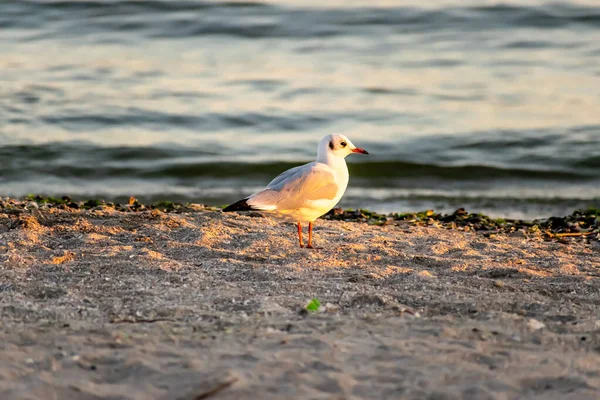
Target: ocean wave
point(134, 116)
point(178, 19)
point(83, 160)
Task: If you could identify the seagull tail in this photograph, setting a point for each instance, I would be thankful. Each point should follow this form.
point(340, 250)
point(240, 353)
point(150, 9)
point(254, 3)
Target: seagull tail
point(241, 205)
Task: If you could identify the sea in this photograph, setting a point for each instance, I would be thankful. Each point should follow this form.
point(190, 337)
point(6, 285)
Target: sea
point(493, 106)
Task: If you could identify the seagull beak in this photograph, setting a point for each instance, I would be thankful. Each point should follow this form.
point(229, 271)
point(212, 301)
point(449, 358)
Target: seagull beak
point(359, 150)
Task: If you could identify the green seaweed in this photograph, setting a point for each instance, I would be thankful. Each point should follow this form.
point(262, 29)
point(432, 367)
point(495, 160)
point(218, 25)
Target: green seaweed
point(164, 204)
point(47, 199)
point(92, 203)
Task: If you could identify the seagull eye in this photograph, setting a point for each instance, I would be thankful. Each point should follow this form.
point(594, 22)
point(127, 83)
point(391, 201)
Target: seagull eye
point(343, 144)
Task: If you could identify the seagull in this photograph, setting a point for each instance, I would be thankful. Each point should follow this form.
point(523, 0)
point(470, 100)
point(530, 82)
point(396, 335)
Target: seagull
point(304, 193)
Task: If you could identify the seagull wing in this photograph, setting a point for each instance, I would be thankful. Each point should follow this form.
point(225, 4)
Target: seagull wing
point(296, 188)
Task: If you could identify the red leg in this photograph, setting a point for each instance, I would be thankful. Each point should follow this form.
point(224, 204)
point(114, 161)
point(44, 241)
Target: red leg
point(300, 234)
point(310, 226)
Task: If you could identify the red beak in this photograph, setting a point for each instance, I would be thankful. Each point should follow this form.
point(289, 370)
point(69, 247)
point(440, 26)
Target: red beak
point(359, 150)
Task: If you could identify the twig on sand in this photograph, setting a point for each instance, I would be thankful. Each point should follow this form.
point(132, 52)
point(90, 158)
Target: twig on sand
point(570, 234)
point(138, 320)
point(221, 386)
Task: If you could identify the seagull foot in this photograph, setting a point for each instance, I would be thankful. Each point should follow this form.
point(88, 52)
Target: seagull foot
point(310, 246)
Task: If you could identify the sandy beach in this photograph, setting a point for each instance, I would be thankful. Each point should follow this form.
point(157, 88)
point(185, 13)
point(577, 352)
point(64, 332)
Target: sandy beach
point(104, 304)
point(463, 261)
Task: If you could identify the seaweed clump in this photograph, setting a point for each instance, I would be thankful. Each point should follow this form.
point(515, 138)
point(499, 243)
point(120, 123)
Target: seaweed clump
point(38, 202)
point(580, 223)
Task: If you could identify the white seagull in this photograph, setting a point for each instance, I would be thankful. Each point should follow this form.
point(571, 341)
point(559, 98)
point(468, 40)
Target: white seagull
point(304, 193)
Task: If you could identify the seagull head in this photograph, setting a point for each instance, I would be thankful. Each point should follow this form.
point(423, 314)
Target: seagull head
point(338, 145)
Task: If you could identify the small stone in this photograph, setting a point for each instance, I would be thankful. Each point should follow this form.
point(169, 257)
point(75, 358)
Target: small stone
point(535, 325)
point(498, 283)
point(520, 233)
point(33, 204)
point(426, 274)
point(573, 227)
point(338, 211)
point(329, 307)
point(449, 332)
point(269, 307)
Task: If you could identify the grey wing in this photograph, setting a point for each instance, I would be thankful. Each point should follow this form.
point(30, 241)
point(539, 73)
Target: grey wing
point(299, 186)
point(286, 175)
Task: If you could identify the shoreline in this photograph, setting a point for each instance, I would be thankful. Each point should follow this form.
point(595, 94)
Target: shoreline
point(580, 224)
point(197, 303)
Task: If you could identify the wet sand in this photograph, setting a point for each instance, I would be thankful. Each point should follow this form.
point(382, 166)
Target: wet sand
point(103, 304)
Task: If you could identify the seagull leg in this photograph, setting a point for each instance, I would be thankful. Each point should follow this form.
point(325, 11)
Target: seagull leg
point(300, 234)
point(310, 246)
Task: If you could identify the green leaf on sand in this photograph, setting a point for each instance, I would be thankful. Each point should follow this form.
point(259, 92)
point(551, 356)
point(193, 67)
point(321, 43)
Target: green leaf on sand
point(313, 305)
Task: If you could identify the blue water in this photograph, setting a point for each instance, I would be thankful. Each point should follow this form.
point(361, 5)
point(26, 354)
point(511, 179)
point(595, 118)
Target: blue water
point(491, 106)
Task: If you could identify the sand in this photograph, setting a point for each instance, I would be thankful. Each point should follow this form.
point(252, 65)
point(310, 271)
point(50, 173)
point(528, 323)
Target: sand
point(104, 304)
